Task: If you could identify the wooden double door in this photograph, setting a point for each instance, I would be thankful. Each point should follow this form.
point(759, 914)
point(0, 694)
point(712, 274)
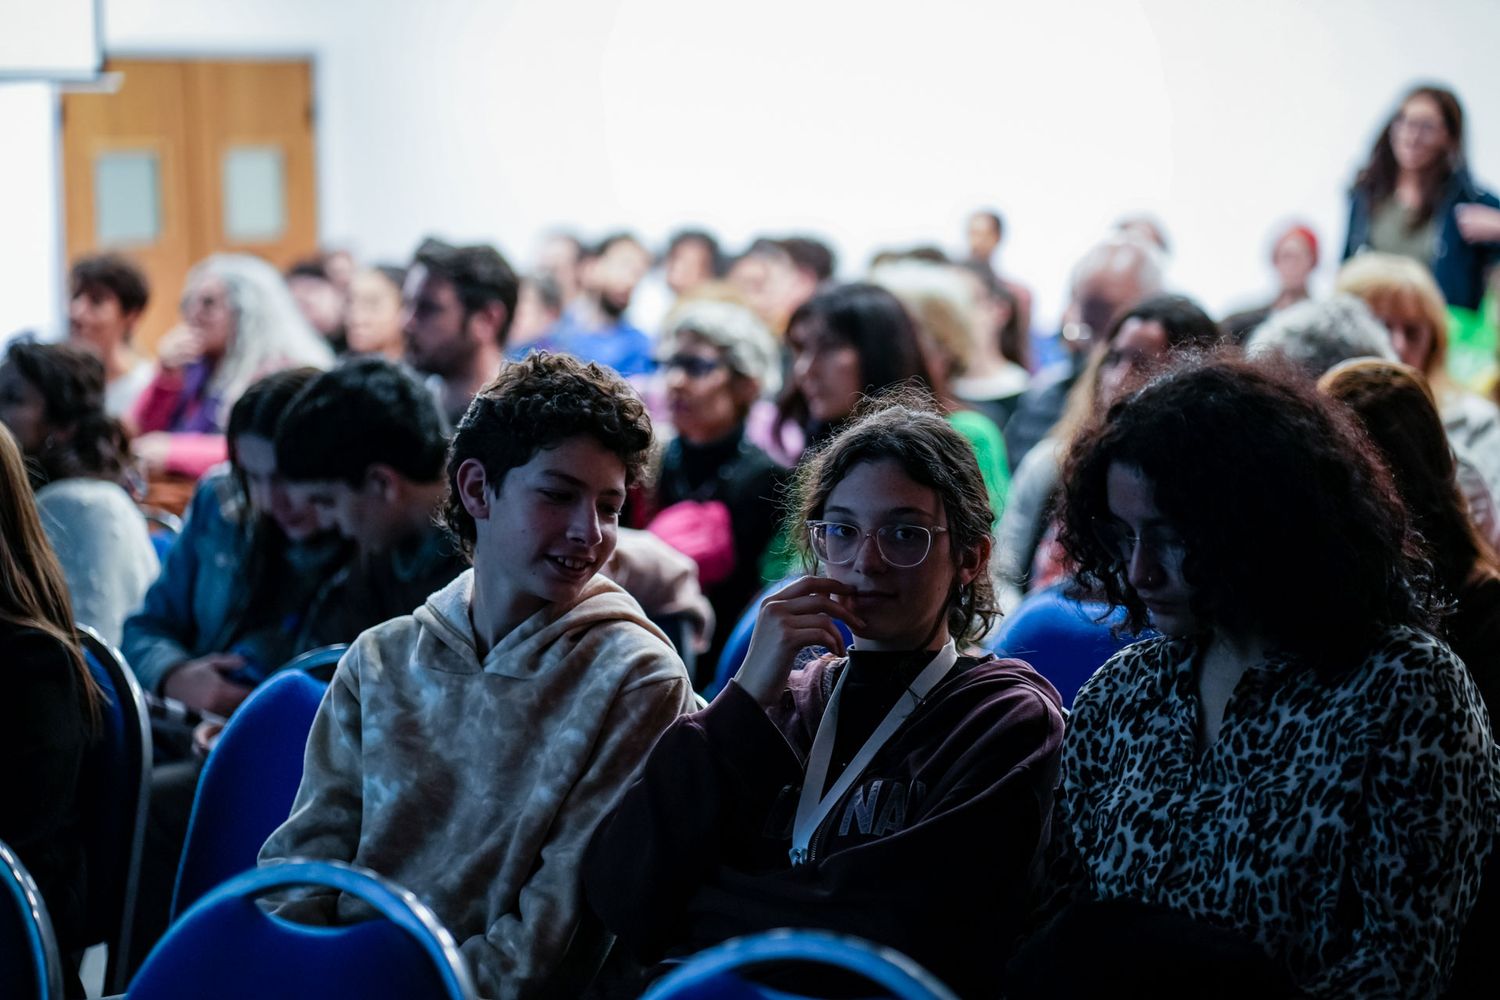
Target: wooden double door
point(187, 158)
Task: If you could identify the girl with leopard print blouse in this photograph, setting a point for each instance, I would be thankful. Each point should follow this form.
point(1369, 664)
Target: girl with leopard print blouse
point(1296, 760)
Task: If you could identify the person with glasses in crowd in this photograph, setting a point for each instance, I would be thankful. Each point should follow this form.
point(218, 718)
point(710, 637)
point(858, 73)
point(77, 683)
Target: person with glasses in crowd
point(716, 493)
point(1415, 197)
point(895, 788)
point(239, 324)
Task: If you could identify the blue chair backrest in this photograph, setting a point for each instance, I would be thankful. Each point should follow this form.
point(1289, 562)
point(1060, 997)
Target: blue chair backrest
point(115, 788)
point(1063, 639)
point(30, 965)
point(738, 643)
point(248, 783)
point(719, 971)
point(162, 527)
point(320, 662)
point(226, 947)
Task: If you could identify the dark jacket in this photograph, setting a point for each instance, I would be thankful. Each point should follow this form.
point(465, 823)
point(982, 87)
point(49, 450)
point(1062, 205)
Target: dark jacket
point(44, 734)
point(1458, 266)
point(932, 851)
point(746, 480)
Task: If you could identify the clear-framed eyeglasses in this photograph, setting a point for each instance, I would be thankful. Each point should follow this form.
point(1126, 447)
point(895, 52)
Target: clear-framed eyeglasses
point(900, 545)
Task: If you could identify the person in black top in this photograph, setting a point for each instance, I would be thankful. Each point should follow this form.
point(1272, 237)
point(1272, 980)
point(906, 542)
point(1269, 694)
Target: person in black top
point(50, 712)
point(718, 359)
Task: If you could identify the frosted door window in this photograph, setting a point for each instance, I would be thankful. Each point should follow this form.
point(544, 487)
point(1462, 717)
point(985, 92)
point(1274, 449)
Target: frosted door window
point(127, 197)
point(254, 194)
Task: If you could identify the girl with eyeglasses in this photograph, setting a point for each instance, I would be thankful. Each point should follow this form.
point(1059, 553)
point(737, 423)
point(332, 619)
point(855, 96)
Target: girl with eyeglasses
point(1415, 197)
point(895, 787)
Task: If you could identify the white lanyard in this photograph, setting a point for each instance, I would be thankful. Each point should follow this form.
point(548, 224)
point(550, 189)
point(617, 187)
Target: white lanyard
point(813, 808)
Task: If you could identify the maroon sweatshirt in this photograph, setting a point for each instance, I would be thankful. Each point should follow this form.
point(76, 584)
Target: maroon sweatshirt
point(933, 851)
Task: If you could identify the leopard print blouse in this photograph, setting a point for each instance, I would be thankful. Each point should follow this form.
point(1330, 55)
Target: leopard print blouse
point(1341, 827)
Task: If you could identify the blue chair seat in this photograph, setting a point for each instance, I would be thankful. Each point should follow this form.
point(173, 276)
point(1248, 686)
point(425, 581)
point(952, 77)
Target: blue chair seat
point(1064, 640)
point(721, 972)
point(248, 783)
point(226, 946)
point(30, 965)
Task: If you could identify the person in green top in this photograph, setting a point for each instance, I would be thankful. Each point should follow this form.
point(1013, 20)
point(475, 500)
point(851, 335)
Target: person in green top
point(851, 341)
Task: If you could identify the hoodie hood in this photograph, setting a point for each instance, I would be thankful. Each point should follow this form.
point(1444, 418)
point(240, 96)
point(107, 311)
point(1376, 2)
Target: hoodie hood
point(520, 654)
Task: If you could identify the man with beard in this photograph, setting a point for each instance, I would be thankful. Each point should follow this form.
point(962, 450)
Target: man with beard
point(459, 303)
point(597, 330)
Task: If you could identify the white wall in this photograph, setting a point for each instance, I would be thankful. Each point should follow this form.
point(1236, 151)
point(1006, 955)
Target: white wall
point(871, 122)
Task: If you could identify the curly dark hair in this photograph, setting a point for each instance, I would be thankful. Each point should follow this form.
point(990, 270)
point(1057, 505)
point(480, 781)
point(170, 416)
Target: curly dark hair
point(89, 442)
point(536, 404)
point(906, 427)
point(1294, 529)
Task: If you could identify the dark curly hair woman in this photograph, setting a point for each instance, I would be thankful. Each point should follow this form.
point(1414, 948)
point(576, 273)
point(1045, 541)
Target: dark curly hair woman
point(1296, 762)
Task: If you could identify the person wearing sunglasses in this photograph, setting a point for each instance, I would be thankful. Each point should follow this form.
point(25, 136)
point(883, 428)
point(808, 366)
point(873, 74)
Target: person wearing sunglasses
point(716, 493)
point(895, 788)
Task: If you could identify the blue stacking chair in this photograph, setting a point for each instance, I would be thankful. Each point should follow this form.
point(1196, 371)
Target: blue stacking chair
point(320, 662)
point(248, 783)
point(114, 790)
point(30, 964)
point(163, 527)
point(738, 643)
point(719, 972)
point(1064, 640)
point(227, 947)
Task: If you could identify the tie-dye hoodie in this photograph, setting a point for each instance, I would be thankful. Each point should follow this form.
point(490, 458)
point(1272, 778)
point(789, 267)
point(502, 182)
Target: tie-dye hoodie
point(477, 784)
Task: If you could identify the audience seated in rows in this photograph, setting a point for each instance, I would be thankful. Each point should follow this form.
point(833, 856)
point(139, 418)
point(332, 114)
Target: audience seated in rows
point(468, 750)
point(52, 400)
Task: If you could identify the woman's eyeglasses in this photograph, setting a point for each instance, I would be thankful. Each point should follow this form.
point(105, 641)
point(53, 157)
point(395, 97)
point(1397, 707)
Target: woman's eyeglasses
point(692, 365)
point(900, 545)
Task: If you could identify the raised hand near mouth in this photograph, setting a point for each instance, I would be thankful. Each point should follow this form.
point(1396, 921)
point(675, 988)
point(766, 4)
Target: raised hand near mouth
point(800, 614)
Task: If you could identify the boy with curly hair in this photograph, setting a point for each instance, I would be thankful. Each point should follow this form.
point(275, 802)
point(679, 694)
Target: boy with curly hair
point(469, 750)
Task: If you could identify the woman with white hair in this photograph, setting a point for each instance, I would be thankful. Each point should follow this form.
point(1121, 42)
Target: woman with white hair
point(716, 493)
point(239, 324)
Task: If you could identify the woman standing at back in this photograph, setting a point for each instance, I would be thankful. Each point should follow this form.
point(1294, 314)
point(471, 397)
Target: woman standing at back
point(1415, 197)
point(49, 712)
